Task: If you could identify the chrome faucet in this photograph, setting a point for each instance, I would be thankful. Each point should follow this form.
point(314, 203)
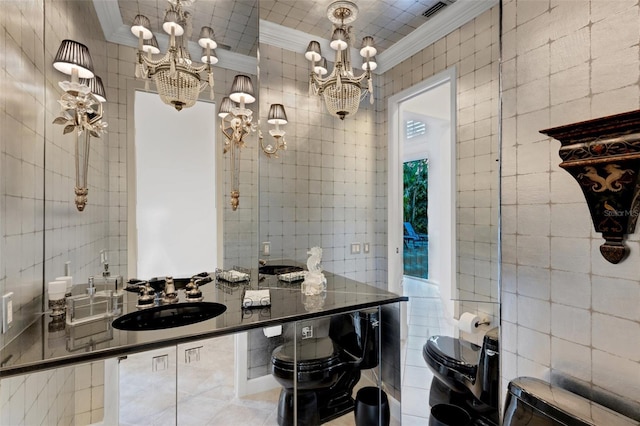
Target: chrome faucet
point(91, 289)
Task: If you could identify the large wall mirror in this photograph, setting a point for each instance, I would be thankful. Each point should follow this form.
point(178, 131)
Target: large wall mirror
point(330, 187)
point(113, 195)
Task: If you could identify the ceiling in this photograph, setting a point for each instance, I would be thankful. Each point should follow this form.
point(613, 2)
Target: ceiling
point(398, 26)
point(235, 23)
point(388, 21)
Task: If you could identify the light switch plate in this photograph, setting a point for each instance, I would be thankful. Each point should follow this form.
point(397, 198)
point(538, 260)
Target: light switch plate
point(7, 312)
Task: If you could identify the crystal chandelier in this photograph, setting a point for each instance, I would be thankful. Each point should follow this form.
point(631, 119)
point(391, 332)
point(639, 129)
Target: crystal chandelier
point(342, 90)
point(177, 78)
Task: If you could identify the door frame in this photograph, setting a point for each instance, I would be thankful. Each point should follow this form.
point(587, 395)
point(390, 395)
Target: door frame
point(395, 232)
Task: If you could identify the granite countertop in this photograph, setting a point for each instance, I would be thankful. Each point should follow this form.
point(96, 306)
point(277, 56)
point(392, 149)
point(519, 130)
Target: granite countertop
point(48, 344)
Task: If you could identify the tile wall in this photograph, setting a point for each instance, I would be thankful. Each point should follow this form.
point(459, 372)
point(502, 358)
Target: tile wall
point(565, 310)
point(323, 190)
point(474, 50)
point(42, 229)
point(22, 105)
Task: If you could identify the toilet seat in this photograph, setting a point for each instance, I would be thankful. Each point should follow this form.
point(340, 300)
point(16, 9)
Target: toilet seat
point(317, 363)
point(455, 354)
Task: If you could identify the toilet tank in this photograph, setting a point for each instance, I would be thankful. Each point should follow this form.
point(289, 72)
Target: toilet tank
point(534, 402)
point(357, 333)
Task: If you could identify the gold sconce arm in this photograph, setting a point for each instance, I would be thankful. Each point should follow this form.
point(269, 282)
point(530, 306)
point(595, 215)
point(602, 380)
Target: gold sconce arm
point(277, 116)
point(82, 110)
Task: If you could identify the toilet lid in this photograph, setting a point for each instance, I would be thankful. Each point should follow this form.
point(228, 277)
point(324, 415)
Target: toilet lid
point(457, 354)
point(309, 352)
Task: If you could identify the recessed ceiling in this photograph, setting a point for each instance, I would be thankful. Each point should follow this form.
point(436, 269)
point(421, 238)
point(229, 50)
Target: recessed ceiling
point(235, 23)
point(398, 26)
point(388, 21)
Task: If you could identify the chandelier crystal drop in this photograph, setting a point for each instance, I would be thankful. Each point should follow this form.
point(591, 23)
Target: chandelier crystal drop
point(178, 79)
point(341, 90)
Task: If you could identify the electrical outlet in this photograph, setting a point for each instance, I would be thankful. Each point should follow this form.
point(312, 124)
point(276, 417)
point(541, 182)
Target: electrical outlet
point(266, 248)
point(7, 312)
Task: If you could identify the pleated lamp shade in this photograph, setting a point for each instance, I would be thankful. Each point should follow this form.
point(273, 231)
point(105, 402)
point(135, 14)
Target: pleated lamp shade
point(73, 55)
point(242, 87)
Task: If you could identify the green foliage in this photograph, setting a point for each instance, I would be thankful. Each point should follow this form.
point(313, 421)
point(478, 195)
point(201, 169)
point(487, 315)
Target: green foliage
point(416, 197)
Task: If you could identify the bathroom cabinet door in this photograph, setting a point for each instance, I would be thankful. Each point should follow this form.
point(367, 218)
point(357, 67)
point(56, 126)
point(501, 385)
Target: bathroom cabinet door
point(205, 380)
point(147, 388)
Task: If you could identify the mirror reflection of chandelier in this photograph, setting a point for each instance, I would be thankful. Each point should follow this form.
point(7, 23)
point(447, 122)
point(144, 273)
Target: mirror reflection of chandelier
point(177, 78)
point(342, 90)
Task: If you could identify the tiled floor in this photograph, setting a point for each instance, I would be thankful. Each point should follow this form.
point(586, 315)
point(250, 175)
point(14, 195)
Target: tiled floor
point(425, 318)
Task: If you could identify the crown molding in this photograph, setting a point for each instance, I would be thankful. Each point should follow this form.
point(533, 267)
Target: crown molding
point(115, 31)
point(451, 18)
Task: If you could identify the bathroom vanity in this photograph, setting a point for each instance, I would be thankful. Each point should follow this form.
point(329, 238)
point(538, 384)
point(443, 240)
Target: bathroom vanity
point(48, 344)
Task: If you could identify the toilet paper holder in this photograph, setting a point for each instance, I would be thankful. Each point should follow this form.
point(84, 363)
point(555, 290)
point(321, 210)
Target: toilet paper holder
point(469, 322)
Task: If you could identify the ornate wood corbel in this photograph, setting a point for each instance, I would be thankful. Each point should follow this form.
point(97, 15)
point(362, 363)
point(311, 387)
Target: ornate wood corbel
point(603, 155)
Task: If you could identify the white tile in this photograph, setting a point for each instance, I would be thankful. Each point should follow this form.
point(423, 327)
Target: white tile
point(534, 282)
point(417, 377)
point(616, 297)
point(572, 324)
point(571, 220)
point(534, 96)
point(571, 254)
point(571, 358)
point(534, 346)
point(616, 373)
point(571, 288)
point(616, 336)
point(570, 84)
point(534, 219)
point(533, 251)
point(415, 401)
point(534, 314)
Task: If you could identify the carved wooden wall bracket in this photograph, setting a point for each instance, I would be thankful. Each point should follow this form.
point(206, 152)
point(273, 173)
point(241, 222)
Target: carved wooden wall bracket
point(603, 155)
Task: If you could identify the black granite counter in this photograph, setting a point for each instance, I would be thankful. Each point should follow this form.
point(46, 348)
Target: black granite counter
point(48, 344)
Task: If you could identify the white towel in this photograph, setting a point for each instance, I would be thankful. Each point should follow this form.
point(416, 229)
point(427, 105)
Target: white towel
point(256, 298)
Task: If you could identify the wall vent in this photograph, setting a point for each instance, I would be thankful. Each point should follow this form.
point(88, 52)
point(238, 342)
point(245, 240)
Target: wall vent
point(437, 7)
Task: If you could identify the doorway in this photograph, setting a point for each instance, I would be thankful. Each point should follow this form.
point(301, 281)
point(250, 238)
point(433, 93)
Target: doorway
point(422, 128)
point(422, 259)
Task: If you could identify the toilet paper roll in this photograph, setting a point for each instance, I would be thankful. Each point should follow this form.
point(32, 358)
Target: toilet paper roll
point(276, 330)
point(468, 323)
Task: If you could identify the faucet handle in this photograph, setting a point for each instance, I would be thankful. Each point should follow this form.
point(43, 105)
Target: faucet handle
point(91, 290)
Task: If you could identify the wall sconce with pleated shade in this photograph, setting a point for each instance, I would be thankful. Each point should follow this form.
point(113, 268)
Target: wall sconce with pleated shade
point(235, 125)
point(277, 116)
point(81, 108)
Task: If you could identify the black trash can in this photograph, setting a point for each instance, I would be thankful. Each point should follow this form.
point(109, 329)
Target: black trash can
point(372, 407)
point(448, 415)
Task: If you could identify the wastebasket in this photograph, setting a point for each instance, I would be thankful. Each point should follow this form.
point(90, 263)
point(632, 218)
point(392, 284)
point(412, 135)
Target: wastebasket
point(448, 415)
point(372, 407)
